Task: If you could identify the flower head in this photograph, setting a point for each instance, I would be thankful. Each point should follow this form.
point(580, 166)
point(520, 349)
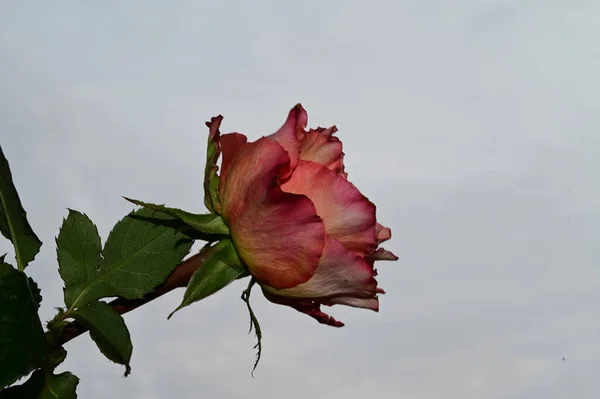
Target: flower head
point(306, 234)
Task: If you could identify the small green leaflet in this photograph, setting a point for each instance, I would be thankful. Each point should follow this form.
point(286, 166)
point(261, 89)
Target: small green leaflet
point(40, 386)
point(79, 251)
point(139, 255)
point(22, 339)
point(13, 219)
point(108, 330)
point(218, 271)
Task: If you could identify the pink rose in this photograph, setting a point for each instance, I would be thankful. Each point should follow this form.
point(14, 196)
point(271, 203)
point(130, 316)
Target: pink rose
point(306, 234)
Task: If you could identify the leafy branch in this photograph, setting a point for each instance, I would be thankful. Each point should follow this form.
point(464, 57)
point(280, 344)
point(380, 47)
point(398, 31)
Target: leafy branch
point(141, 260)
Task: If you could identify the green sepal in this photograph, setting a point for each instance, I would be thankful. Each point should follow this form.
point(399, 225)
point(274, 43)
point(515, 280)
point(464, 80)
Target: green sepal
point(219, 270)
point(211, 226)
point(253, 322)
point(211, 178)
point(13, 219)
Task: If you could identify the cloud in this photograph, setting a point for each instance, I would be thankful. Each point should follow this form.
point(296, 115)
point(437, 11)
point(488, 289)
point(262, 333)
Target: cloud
point(473, 127)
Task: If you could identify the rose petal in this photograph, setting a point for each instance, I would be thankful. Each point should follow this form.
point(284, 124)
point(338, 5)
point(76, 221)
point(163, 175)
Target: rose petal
point(340, 273)
point(382, 254)
point(311, 308)
point(383, 233)
point(288, 136)
point(364, 303)
point(230, 145)
point(349, 216)
point(322, 147)
point(342, 278)
point(278, 235)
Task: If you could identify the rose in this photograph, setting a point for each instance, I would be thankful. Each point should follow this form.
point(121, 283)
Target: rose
point(307, 235)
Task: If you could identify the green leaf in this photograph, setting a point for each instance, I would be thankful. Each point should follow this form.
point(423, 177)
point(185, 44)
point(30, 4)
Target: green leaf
point(40, 386)
point(22, 339)
point(108, 330)
point(138, 256)
point(79, 250)
point(207, 224)
point(13, 219)
point(218, 271)
point(61, 386)
point(211, 178)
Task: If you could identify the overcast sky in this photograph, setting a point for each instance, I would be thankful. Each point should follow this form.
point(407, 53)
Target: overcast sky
point(473, 125)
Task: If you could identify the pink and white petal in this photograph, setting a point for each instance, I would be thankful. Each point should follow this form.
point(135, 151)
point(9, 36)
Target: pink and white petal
point(383, 233)
point(342, 170)
point(289, 135)
point(255, 165)
point(322, 147)
point(278, 235)
point(280, 240)
point(230, 145)
point(340, 273)
point(311, 308)
point(363, 303)
point(348, 215)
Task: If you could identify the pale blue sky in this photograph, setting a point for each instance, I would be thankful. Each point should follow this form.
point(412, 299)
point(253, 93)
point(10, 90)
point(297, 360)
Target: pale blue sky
point(473, 125)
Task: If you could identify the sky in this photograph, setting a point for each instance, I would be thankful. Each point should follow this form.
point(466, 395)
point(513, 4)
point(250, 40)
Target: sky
point(473, 125)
